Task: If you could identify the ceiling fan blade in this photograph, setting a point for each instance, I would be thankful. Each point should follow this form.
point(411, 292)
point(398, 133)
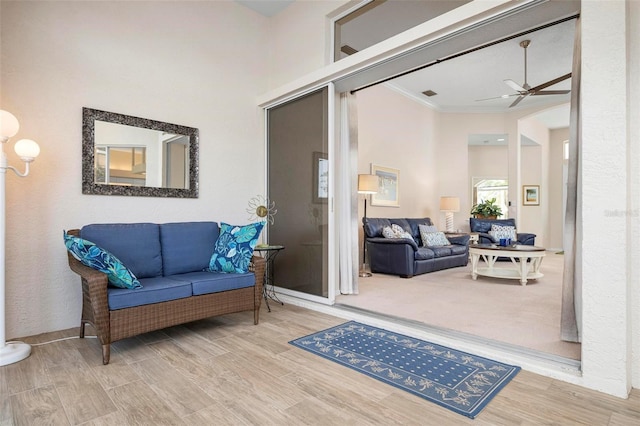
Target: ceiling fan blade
point(497, 97)
point(552, 92)
point(517, 101)
point(551, 82)
point(515, 86)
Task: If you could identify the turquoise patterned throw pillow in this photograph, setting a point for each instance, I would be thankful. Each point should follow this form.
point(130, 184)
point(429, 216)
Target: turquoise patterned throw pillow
point(234, 248)
point(101, 260)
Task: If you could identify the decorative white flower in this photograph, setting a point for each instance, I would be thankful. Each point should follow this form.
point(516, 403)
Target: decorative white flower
point(261, 208)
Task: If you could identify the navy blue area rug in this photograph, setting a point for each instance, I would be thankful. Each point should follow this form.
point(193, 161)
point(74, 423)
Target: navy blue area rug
point(456, 380)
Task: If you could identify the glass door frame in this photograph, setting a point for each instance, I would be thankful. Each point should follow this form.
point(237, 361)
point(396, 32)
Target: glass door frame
point(332, 253)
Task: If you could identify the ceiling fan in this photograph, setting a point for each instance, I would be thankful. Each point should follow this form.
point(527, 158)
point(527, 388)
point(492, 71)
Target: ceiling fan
point(526, 90)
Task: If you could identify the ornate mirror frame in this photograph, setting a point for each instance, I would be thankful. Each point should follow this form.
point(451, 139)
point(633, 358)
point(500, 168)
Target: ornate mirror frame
point(90, 116)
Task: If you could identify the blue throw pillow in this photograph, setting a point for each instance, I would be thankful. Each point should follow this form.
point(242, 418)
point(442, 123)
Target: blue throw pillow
point(234, 248)
point(101, 260)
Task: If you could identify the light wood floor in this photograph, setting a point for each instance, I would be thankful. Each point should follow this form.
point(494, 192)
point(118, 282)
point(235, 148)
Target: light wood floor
point(226, 371)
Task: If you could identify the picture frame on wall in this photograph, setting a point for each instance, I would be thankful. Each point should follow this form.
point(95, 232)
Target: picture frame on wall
point(320, 178)
point(530, 195)
point(388, 194)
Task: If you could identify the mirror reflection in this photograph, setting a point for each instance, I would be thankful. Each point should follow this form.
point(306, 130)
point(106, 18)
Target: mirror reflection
point(125, 155)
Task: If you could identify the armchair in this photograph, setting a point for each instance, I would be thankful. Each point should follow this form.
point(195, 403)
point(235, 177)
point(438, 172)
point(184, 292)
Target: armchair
point(483, 226)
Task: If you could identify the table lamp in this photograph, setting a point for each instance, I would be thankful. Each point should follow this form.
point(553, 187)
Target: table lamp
point(449, 205)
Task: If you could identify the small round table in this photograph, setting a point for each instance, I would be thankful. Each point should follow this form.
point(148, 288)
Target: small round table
point(269, 253)
point(520, 255)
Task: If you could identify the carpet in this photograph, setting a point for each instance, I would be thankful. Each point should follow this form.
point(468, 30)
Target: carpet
point(459, 381)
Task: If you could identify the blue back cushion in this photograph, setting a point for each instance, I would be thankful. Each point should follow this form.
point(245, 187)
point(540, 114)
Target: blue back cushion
point(484, 225)
point(136, 245)
point(187, 246)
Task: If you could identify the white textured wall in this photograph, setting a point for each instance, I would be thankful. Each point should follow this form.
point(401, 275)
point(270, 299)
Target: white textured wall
point(606, 292)
point(197, 64)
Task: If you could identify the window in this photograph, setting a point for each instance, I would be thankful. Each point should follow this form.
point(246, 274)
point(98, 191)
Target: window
point(487, 189)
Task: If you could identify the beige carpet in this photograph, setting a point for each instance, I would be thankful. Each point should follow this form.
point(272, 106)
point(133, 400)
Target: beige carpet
point(497, 309)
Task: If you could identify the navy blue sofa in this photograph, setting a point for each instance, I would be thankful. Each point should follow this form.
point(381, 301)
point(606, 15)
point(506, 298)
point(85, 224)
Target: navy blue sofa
point(483, 226)
point(408, 257)
point(170, 261)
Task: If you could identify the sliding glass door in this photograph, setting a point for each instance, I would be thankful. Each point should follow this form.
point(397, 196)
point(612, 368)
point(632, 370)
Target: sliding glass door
point(298, 180)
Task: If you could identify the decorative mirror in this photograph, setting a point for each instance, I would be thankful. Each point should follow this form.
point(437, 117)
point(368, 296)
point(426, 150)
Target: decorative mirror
point(125, 155)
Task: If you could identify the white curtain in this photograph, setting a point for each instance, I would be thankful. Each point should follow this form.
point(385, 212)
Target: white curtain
point(571, 319)
point(347, 196)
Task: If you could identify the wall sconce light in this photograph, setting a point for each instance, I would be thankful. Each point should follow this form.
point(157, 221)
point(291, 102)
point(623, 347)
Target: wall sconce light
point(27, 150)
point(367, 184)
point(449, 205)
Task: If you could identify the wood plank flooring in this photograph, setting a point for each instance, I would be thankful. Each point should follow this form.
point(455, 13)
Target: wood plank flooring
point(226, 371)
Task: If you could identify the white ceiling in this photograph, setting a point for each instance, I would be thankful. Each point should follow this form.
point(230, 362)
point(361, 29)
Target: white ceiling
point(462, 82)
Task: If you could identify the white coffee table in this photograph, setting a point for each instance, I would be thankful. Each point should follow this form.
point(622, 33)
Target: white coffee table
point(527, 260)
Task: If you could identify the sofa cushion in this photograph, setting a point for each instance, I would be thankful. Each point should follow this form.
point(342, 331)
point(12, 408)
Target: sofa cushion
point(101, 260)
point(484, 225)
point(443, 251)
point(424, 253)
point(234, 248)
point(154, 290)
point(395, 231)
point(373, 226)
point(498, 232)
point(214, 282)
point(434, 239)
point(137, 245)
point(455, 249)
point(414, 227)
point(187, 246)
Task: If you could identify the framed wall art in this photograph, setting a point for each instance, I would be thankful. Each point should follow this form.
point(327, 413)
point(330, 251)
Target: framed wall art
point(320, 178)
point(388, 186)
point(530, 195)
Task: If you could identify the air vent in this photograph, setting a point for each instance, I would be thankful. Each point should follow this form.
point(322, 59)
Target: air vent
point(348, 49)
point(429, 93)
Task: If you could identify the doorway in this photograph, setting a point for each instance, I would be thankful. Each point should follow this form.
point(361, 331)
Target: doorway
point(298, 183)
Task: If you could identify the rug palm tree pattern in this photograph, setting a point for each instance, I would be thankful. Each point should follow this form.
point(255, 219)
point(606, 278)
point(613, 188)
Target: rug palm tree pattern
point(459, 381)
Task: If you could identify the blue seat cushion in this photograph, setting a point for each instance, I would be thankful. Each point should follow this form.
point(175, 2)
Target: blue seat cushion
point(214, 282)
point(137, 245)
point(440, 251)
point(458, 249)
point(424, 253)
point(154, 290)
point(187, 246)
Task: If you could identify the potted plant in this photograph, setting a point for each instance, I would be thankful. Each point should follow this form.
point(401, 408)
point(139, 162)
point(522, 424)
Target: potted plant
point(487, 209)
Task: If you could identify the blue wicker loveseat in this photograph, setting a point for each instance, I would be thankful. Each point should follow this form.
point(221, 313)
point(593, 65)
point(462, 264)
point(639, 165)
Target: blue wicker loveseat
point(170, 261)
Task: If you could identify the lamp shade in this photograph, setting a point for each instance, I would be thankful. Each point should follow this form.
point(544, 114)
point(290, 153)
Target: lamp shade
point(450, 204)
point(27, 149)
point(9, 125)
point(367, 184)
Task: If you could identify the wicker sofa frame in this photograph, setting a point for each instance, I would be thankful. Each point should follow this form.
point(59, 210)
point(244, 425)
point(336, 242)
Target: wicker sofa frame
point(113, 325)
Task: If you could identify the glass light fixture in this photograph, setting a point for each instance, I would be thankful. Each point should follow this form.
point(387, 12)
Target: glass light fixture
point(27, 150)
point(9, 125)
